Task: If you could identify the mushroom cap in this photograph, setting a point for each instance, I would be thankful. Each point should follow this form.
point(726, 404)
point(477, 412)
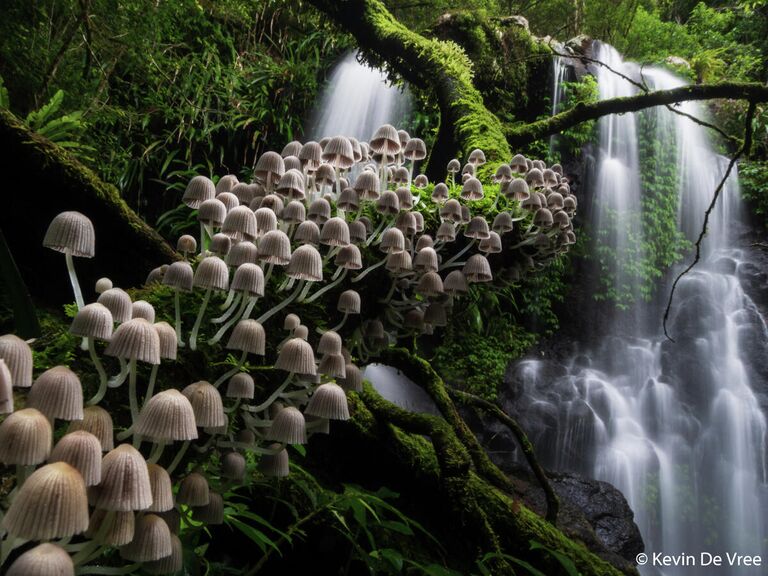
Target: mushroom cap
point(220, 245)
point(415, 149)
point(118, 302)
point(439, 193)
point(118, 531)
point(212, 273)
point(472, 189)
point(291, 184)
point(301, 331)
point(367, 185)
point(241, 385)
point(275, 465)
point(124, 481)
point(151, 540)
point(319, 211)
point(414, 318)
point(226, 183)
point(332, 365)
point(249, 279)
point(248, 336)
point(357, 232)
point(451, 210)
point(179, 276)
point(399, 262)
point(353, 380)
point(306, 264)
point(162, 488)
point(135, 339)
point(338, 153)
point(325, 175)
point(57, 393)
point(186, 243)
point(392, 241)
point(424, 241)
point(71, 232)
point(311, 154)
point(294, 212)
point(534, 177)
point(404, 198)
point(229, 199)
point(51, 504)
point(212, 212)
point(456, 283)
point(385, 140)
point(288, 427)
point(143, 309)
point(94, 321)
point(240, 224)
point(18, 357)
point(266, 221)
point(199, 189)
point(477, 157)
point(207, 405)
point(426, 260)
point(269, 166)
point(349, 257)
point(244, 193)
point(291, 322)
point(330, 343)
point(516, 189)
point(82, 451)
point(211, 513)
point(519, 163)
point(430, 285)
point(98, 422)
point(273, 202)
point(502, 223)
point(169, 343)
point(26, 437)
point(43, 560)
point(329, 401)
point(446, 232)
point(555, 201)
point(166, 417)
point(170, 564)
point(275, 248)
point(503, 173)
point(543, 218)
point(233, 466)
point(349, 302)
point(296, 356)
point(349, 199)
point(6, 389)
point(477, 269)
point(335, 232)
point(477, 228)
point(194, 490)
point(454, 165)
point(307, 233)
point(293, 148)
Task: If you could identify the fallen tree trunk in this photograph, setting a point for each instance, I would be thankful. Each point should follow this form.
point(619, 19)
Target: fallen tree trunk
point(41, 180)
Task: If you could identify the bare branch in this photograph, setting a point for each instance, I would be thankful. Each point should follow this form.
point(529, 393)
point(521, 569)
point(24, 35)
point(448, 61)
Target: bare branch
point(742, 151)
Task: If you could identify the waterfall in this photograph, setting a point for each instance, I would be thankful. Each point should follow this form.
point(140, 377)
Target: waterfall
point(356, 101)
point(559, 76)
point(676, 426)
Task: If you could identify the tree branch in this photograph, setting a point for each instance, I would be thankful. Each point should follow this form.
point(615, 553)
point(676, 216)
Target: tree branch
point(553, 502)
point(742, 151)
point(525, 134)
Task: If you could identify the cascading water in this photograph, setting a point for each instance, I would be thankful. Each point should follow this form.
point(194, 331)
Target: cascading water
point(675, 426)
point(559, 75)
point(356, 101)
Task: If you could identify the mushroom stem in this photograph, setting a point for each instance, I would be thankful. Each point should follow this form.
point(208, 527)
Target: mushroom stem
point(370, 268)
point(229, 373)
point(249, 308)
point(177, 312)
point(340, 324)
point(151, 384)
point(117, 380)
point(223, 330)
point(275, 309)
point(203, 240)
point(178, 457)
point(227, 302)
point(459, 254)
point(199, 320)
point(102, 373)
point(268, 273)
point(73, 279)
point(233, 408)
point(376, 233)
point(268, 402)
point(337, 174)
point(322, 291)
point(231, 307)
point(157, 451)
point(391, 292)
point(339, 270)
point(132, 398)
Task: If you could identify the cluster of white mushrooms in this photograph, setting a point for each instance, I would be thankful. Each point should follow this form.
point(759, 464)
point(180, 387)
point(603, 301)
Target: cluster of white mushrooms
point(311, 213)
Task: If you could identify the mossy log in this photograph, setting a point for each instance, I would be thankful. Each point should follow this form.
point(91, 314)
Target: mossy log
point(387, 444)
point(41, 180)
point(441, 66)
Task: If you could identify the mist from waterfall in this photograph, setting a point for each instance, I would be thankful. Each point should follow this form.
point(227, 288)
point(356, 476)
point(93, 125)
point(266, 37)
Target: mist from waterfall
point(356, 101)
point(675, 426)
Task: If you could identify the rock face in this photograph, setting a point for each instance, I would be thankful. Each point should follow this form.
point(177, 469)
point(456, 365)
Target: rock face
point(591, 511)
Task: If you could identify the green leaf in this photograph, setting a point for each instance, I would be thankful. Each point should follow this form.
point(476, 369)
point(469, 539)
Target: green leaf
point(256, 536)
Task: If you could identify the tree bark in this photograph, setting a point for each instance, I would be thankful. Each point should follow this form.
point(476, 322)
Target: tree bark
point(41, 180)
